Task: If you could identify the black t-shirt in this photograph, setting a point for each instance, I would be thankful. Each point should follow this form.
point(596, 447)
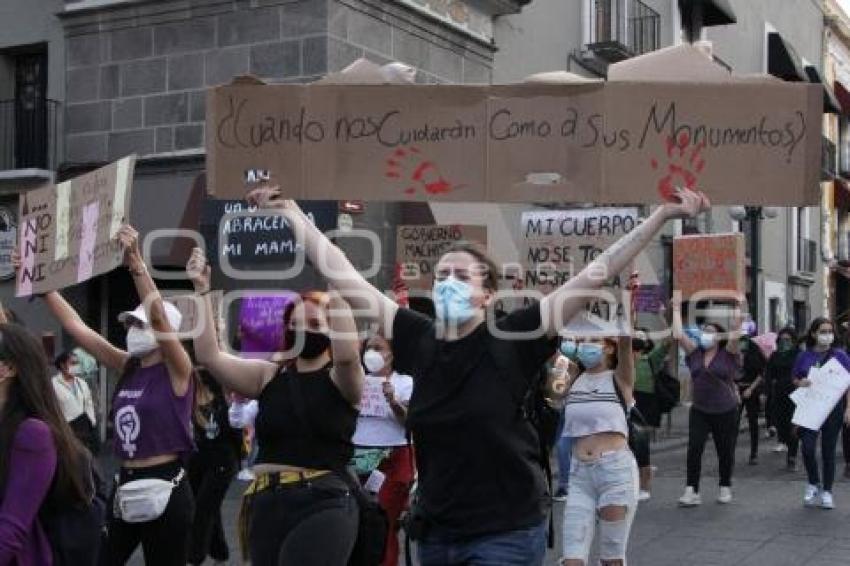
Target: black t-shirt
point(753, 364)
point(478, 458)
point(303, 420)
point(213, 434)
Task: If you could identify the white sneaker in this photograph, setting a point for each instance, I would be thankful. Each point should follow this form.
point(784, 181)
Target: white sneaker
point(810, 498)
point(725, 495)
point(779, 448)
point(246, 475)
point(643, 495)
point(826, 501)
point(690, 498)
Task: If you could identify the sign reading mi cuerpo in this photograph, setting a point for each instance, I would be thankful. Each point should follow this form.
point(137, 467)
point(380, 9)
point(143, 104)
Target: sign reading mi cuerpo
point(746, 142)
point(68, 231)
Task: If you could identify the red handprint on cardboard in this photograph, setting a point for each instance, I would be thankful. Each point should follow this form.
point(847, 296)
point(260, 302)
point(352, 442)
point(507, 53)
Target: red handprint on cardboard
point(415, 172)
point(684, 165)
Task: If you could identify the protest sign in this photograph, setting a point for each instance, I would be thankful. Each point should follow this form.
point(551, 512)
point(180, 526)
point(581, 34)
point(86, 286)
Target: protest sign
point(711, 262)
point(742, 141)
point(814, 403)
point(250, 239)
point(188, 305)
point(262, 321)
point(418, 248)
point(558, 244)
point(68, 231)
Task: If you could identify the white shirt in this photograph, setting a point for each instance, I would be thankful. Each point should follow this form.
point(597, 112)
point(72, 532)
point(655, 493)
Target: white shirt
point(593, 407)
point(377, 425)
point(74, 398)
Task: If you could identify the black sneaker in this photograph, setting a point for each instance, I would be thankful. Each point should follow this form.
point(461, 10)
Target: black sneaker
point(754, 460)
point(560, 494)
point(791, 465)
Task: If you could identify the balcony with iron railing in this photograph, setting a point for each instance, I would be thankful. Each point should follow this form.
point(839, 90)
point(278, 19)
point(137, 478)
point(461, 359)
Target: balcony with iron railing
point(29, 134)
point(621, 29)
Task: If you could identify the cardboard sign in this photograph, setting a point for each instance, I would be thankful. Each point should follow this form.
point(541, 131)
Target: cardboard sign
point(68, 230)
point(187, 305)
point(560, 243)
point(742, 141)
point(708, 262)
point(418, 248)
point(256, 239)
point(261, 322)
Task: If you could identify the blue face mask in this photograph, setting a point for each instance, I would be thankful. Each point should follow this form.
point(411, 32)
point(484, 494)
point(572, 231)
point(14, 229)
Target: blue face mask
point(453, 301)
point(569, 349)
point(589, 355)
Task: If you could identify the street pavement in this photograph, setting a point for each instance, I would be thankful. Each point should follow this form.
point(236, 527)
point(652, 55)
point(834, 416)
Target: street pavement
point(765, 525)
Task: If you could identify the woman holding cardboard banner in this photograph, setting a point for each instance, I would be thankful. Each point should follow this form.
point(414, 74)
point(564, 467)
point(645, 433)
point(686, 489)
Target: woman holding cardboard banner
point(301, 508)
point(714, 363)
point(471, 376)
point(820, 348)
point(152, 407)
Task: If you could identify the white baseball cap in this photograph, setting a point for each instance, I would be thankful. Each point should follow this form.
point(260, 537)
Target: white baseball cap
point(175, 318)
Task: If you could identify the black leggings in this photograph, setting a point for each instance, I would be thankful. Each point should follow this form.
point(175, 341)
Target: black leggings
point(165, 541)
point(752, 407)
point(829, 439)
point(724, 429)
point(314, 523)
point(210, 474)
point(785, 429)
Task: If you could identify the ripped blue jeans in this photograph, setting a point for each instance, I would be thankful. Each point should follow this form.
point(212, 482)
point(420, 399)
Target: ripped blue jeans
point(610, 480)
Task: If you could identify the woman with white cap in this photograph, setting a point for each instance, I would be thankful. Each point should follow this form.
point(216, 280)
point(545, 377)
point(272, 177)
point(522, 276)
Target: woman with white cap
point(152, 409)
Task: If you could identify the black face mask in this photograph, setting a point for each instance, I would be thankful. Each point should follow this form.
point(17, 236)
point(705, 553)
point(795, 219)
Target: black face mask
point(315, 343)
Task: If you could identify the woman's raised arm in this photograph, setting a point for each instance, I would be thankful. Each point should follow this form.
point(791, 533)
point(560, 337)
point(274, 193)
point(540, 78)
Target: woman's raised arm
point(245, 377)
point(330, 261)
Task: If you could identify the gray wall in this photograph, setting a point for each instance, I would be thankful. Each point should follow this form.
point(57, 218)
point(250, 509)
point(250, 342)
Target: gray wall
point(33, 21)
point(546, 32)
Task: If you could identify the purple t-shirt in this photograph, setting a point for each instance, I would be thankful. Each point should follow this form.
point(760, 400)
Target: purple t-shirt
point(809, 358)
point(150, 420)
point(32, 464)
point(713, 386)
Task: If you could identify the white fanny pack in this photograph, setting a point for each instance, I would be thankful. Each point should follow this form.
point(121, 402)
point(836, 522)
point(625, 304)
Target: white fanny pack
point(140, 501)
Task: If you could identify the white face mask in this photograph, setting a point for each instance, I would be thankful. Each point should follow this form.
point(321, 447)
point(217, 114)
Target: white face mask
point(74, 369)
point(141, 341)
point(826, 339)
point(373, 360)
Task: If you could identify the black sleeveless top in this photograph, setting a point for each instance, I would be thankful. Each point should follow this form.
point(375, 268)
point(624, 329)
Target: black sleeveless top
point(304, 420)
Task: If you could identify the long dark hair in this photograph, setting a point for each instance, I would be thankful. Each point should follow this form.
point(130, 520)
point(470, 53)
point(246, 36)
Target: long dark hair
point(31, 395)
point(811, 341)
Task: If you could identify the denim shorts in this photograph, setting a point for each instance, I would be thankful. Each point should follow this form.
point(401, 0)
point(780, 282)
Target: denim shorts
point(610, 480)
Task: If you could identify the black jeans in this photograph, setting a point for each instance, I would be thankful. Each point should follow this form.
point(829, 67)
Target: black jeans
point(724, 429)
point(752, 407)
point(313, 522)
point(828, 440)
point(785, 430)
point(845, 444)
point(165, 541)
point(210, 474)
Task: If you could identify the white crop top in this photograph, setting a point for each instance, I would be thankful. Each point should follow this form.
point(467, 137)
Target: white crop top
point(593, 407)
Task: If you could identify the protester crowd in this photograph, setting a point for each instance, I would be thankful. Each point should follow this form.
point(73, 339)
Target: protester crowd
point(440, 428)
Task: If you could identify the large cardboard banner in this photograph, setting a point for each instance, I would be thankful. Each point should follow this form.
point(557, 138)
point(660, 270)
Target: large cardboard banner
point(418, 248)
point(68, 231)
point(712, 262)
point(742, 142)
